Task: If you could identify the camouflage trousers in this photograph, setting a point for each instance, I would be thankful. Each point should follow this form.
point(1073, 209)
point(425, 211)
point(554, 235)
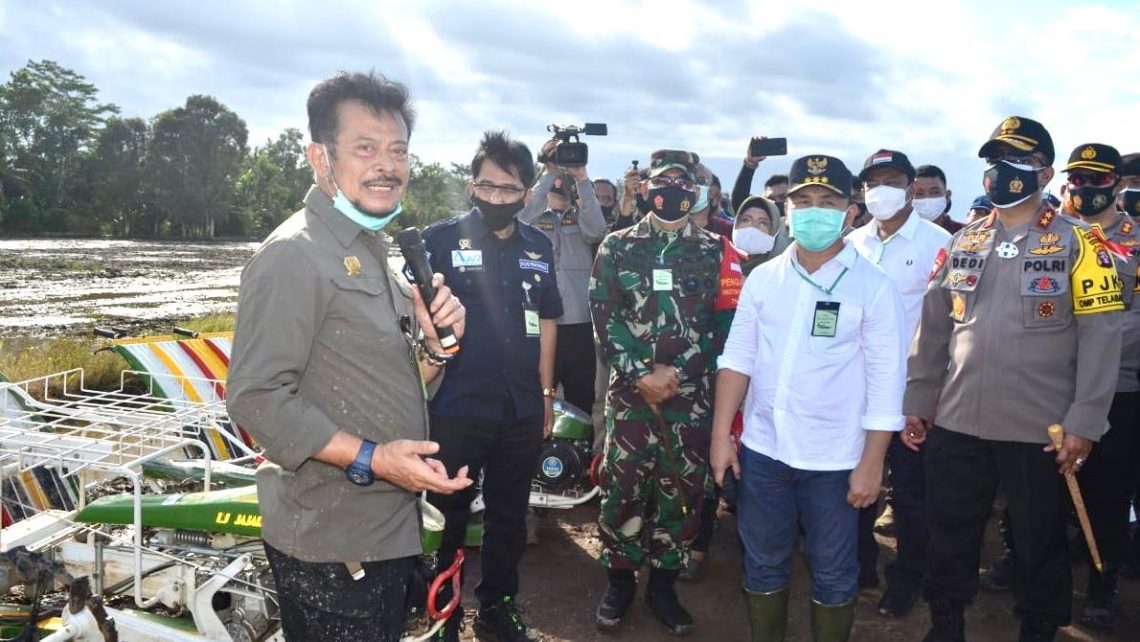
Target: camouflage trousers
point(652, 494)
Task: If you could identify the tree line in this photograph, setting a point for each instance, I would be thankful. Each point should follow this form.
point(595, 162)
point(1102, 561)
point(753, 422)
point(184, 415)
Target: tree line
point(72, 165)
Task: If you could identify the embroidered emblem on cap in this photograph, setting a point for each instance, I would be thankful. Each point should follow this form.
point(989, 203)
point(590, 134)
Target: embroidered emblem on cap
point(1010, 124)
point(1045, 309)
point(1088, 153)
point(352, 265)
point(1007, 250)
point(816, 166)
point(882, 157)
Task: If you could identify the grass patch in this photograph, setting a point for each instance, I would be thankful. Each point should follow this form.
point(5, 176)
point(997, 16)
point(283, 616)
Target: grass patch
point(26, 357)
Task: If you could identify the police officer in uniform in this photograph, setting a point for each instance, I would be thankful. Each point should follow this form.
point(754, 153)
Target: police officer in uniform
point(1019, 330)
point(496, 403)
point(1106, 480)
point(661, 296)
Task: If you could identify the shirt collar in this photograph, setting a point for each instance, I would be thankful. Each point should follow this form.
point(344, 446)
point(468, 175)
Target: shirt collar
point(846, 257)
point(907, 231)
point(340, 225)
point(645, 229)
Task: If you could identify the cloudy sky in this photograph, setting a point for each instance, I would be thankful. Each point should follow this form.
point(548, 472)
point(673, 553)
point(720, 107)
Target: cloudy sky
point(929, 78)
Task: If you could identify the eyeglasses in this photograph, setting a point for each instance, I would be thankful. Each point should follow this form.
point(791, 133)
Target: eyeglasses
point(1096, 180)
point(683, 182)
point(488, 191)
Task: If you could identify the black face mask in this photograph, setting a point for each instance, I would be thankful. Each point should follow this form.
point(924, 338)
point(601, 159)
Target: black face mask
point(497, 215)
point(1089, 200)
point(1008, 185)
point(670, 203)
point(1130, 201)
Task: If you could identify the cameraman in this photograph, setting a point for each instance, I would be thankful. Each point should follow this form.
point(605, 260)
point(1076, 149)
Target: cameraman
point(574, 226)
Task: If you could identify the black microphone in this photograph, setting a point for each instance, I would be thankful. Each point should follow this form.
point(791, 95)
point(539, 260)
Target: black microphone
point(415, 253)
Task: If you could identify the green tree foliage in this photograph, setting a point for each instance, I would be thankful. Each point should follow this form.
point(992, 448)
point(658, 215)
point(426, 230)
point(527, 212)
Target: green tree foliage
point(194, 159)
point(434, 193)
point(49, 116)
point(272, 184)
point(70, 165)
point(116, 174)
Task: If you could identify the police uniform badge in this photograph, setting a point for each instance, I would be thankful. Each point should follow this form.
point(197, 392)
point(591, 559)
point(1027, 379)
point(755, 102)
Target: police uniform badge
point(352, 266)
point(465, 244)
point(958, 306)
point(1046, 309)
point(1048, 244)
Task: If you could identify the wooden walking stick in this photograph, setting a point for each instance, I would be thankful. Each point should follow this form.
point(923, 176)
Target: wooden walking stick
point(1057, 435)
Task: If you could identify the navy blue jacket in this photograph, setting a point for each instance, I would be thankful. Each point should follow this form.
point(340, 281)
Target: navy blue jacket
point(495, 375)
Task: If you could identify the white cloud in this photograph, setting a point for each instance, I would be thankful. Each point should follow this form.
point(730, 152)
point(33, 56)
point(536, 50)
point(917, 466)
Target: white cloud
point(842, 78)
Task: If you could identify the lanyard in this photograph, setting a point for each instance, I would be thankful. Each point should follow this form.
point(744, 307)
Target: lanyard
point(826, 291)
point(661, 256)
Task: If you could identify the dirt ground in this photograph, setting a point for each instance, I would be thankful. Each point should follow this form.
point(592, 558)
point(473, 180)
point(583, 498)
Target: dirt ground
point(562, 583)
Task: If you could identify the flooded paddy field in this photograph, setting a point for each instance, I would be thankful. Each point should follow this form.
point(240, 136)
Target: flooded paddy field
point(51, 287)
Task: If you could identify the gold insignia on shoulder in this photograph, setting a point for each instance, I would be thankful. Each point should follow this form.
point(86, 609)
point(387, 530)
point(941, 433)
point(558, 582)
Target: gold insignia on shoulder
point(1126, 227)
point(958, 311)
point(352, 265)
point(1088, 153)
point(465, 244)
point(1015, 186)
point(816, 166)
point(1010, 124)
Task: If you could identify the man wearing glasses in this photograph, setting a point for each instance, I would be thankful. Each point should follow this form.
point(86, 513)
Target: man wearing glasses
point(1017, 333)
point(661, 295)
point(495, 405)
point(1106, 481)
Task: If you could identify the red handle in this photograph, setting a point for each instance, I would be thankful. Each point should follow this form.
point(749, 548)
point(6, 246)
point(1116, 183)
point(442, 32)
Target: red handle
point(451, 573)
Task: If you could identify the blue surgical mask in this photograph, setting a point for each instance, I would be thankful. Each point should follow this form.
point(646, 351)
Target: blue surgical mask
point(345, 206)
point(703, 199)
point(816, 228)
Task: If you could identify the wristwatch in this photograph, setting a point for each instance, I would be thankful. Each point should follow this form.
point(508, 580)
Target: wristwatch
point(549, 392)
point(359, 471)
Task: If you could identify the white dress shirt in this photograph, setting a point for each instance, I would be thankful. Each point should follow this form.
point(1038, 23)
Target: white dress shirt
point(811, 397)
point(907, 256)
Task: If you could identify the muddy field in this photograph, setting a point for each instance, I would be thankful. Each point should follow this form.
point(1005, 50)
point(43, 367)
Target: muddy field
point(53, 287)
point(562, 583)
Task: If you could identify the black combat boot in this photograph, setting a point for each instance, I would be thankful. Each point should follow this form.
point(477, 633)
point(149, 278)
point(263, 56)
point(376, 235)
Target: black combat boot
point(615, 603)
point(947, 622)
point(661, 598)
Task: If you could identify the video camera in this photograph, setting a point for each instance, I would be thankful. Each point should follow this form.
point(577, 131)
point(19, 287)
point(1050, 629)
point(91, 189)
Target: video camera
point(567, 153)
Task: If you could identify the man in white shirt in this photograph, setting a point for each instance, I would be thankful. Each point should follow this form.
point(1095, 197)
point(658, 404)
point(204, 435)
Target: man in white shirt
point(817, 343)
point(904, 245)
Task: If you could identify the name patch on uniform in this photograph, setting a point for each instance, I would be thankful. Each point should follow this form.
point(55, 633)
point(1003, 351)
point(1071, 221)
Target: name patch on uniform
point(467, 258)
point(1044, 265)
point(967, 263)
point(539, 266)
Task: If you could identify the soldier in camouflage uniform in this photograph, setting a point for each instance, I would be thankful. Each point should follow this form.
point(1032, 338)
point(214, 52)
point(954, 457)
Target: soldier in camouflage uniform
point(661, 297)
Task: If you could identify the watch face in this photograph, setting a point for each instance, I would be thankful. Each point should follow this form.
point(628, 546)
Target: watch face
point(359, 476)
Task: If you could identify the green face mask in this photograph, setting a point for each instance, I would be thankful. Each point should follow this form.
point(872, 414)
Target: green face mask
point(816, 228)
point(345, 206)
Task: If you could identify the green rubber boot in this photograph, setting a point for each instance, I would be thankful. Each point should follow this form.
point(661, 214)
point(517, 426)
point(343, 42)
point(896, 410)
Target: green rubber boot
point(768, 615)
point(832, 622)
